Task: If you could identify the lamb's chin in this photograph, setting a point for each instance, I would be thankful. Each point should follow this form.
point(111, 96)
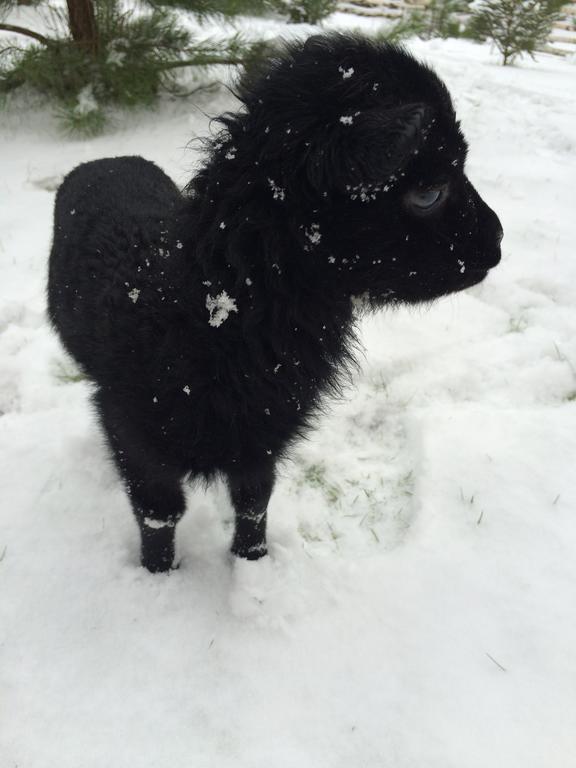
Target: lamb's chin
point(472, 278)
point(432, 290)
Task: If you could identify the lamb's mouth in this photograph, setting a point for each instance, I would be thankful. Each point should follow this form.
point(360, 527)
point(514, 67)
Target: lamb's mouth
point(441, 284)
point(462, 278)
point(472, 277)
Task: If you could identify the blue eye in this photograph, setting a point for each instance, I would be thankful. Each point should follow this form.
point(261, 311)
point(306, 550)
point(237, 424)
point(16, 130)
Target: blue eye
point(425, 199)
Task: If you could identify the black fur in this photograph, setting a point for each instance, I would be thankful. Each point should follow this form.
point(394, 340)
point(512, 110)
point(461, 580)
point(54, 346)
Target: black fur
point(305, 205)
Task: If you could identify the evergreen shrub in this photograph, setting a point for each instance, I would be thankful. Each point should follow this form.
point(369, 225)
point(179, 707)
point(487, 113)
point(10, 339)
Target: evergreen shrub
point(515, 26)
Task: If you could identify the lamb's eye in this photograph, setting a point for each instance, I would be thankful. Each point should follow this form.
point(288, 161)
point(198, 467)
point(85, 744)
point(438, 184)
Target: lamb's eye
point(424, 200)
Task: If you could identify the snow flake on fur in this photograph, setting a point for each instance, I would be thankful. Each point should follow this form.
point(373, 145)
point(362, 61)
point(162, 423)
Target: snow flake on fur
point(150, 522)
point(313, 234)
point(362, 302)
point(277, 192)
point(366, 192)
point(219, 308)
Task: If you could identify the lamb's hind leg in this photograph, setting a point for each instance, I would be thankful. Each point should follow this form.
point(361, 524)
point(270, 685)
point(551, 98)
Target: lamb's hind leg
point(250, 493)
point(155, 492)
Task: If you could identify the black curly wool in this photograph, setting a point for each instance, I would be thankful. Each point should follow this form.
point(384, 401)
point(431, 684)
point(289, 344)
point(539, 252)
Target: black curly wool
point(213, 322)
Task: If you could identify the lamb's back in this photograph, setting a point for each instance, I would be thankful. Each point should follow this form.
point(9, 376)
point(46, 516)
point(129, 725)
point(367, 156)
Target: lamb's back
point(110, 219)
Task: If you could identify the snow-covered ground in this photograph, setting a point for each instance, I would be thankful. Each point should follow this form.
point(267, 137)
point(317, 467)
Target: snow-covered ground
point(418, 609)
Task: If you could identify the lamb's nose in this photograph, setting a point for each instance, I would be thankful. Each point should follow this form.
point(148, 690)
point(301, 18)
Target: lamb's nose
point(499, 234)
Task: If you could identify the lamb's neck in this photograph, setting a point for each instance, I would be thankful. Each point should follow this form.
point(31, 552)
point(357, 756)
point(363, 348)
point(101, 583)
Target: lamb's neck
point(262, 289)
point(252, 244)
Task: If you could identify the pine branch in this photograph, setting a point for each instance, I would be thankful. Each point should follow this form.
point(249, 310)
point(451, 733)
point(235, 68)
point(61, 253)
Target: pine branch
point(202, 62)
point(24, 31)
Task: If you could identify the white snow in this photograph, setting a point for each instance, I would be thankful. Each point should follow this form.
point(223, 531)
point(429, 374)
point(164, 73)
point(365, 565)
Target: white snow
point(417, 608)
point(86, 101)
point(277, 192)
point(346, 73)
point(366, 192)
point(116, 54)
point(313, 234)
point(361, 303)
point(157, 524)
point(219, 307)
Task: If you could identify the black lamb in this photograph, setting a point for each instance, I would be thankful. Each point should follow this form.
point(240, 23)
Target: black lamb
point(212, 322)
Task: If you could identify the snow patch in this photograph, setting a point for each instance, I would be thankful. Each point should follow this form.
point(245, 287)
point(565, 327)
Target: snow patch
point(150, 522)
point(313, 234)
point(277, 192)
point(219, 308)
point(116, 55)
point(86, 101)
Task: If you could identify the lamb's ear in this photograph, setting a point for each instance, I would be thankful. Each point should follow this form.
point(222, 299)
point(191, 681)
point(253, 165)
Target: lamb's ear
point(367, 147)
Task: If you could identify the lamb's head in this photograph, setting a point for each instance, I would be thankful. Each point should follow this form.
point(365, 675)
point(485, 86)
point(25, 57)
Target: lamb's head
point(359, 146)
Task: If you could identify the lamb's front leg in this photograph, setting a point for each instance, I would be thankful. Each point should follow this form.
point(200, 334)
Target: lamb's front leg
point(158, 503)
point(250, 493)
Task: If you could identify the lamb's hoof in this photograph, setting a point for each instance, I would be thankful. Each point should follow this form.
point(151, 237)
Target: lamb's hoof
point(159, 564)
point(250, 553)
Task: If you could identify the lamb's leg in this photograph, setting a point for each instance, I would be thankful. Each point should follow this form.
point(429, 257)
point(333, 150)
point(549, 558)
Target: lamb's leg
point(250, 494)
point(155, 491)
point(158, 504)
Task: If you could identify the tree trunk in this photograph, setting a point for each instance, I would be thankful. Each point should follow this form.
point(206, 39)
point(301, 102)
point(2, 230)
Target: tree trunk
point(82, 20)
